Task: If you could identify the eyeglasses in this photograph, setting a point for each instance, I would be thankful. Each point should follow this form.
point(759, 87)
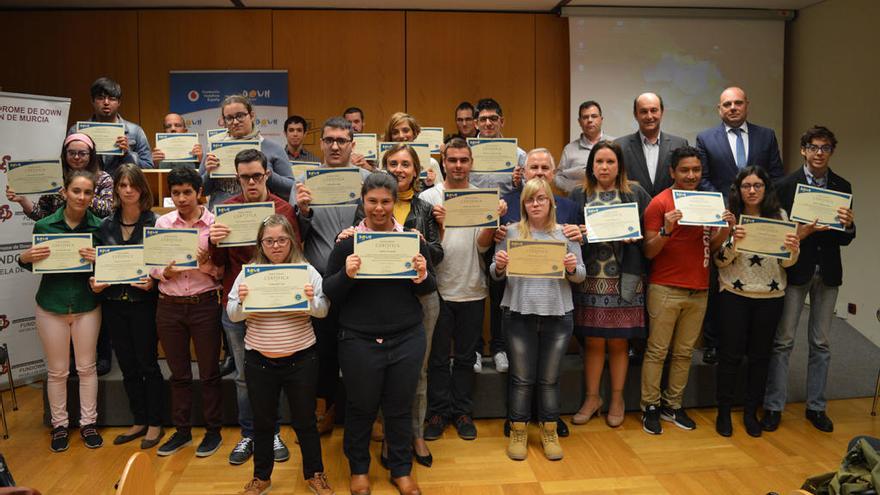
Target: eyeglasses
point(825, 148)
point(489, 118)
point(257, 178)
point(240, 116)
point(540, 200)
point(78, 154)
point(757, 186)
point(329, 141)
point(269, 242)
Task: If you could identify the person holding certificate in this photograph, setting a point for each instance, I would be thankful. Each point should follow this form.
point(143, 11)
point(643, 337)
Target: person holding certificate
point(281, 356)
point(403, 128)
point(68, 311)
point(490, 123)
point(610, 303)
point(381, 342)
point(538, 321)
point(238, 116)
point(174, 124)
point(819, 273)
point(750, 300)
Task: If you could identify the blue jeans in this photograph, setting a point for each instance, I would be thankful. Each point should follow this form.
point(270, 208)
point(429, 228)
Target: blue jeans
point(822, 301)
point(535, 346)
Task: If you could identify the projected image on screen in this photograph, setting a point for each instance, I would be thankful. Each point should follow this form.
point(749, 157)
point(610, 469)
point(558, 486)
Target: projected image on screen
point(688, 62)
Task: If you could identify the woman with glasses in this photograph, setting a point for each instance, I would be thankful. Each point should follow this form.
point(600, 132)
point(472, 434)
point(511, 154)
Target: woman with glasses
point(750, 303)
point(403, 128)
point(77, 153)
point(538, 322)
point(237, 114)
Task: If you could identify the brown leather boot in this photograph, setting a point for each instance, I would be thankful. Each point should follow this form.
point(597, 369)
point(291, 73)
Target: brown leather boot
point(360, 484)
point(406, 485)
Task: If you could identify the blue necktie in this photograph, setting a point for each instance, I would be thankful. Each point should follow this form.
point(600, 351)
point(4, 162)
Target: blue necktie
point(740, 148)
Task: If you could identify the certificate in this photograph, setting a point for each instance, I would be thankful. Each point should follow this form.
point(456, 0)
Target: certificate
point(244, 221)
point(536, 259)
point(606, 223)
point(765, 236)
point(699, 207)
point(104, 134)
point(386, 254)
point(471, 208)
point(274, 288)
point(64, 254)
point(334, 186)
point(215, 134)
point(299, 168)
point(365, 144)
point(811, 203)
point(177, 146)
point(423, 151)
point(226, 151)
point(162, 246)
point(35, 176)
point(119, 264)
point(433, 136)
point(494, 156)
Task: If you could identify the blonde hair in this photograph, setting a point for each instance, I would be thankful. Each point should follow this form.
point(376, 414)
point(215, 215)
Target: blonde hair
point(402, 118)
point(530, 190)
point(413, 157)
point(294, 256)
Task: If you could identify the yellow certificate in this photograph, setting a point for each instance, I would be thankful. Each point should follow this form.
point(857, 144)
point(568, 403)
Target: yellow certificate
point(433, 136)
point(64, 254)
point(226, 151)
point(765, 236)
point(699, 207)
point(365, 144)
point(299, 168)
point(606, 223)
point(811, 203)
point(471, 208)
point(493, 155)
point(104, 134)
point(162, 246)
point(275, 288)
point(386, 254)
point(177, 146)
point(536, 259)
point(334, 186)
point(119, 264)
point(423, 151)
point(35, 176)
point(244, 220)
point(215, 134)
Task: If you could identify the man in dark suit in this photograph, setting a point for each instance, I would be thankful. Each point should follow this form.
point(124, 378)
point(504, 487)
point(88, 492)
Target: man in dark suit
point(735, 144)
point(818, 272)
point(646, 153)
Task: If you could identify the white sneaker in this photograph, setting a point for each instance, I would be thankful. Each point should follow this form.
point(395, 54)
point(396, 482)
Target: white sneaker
point(478, 364)
point(501, 363)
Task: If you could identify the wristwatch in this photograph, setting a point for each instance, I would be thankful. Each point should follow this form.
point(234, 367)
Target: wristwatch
point(664, 233)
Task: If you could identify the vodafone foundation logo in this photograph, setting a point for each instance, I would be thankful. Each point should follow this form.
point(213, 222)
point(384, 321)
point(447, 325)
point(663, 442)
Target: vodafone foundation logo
point(193, 95)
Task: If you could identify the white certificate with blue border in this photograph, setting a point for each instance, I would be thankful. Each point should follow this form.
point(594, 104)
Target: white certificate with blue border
point(423, 151)
point(494, 155)
point(386, 254)
point(765, 237)
point(243, 219)
point(225, 151)
point(298, 167)
point(177, 146)
point(812, 203)
point(607, 223)
point(215, 134)
point(162, 246)
point(365, 144)
point(35, 176)
point(104, 134)
point(64, 254)
point(123, 264)
point(699, 207)
point(470, 208)
point(433, 136)
point(332, 187)
point(275, 288)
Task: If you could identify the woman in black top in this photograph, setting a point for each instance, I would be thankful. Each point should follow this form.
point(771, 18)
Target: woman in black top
point(129, 309)
point(381, 342)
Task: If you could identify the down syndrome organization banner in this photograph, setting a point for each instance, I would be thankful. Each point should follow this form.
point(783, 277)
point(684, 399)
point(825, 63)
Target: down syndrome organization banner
point(196, 95)
point(31, 128)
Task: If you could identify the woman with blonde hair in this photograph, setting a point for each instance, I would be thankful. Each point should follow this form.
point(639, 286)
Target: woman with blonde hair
point(403, 128)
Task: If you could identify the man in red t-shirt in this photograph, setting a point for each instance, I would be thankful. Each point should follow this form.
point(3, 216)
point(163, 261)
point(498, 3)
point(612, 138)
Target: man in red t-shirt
point(677, 293)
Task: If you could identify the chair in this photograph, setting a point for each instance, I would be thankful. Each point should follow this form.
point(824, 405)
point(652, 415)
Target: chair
point(138, 477)
point(6, 367)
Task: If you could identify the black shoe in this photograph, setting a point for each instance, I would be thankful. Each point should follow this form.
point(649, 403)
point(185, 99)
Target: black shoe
point(770, 421)
point(242, 451)
point(424, 460)
point(820, 420)
point(723, 425)
point(60, 439)
point(651, 420)
point(561, 428)
point(710, 355)
point(91, 438)
point(147, 443)
point(121, 439)
point(103, 366)
point(227, 366)
point(635, 356)
point(506, 427)
point(434, 428)
point(279, 450)
point(465, 427)
point(210, 444)
point(177, 441)
point(678, 417)
point(750, 420)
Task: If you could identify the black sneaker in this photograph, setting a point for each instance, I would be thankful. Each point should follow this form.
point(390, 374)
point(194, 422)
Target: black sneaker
point(562, 428)
point(465, 427)
point(723, 424)
point(771, 419)
point(710, 355)
point(210, 444)
point(820, 420)
point(279, 449)
point(242, 451)
point(177, 441)
point(651, 420)
point(91, 438)
point(677, 416)
point(434, 427)
point(60, 439)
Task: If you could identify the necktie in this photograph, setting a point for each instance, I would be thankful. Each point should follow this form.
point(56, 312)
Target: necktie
point(740, 148)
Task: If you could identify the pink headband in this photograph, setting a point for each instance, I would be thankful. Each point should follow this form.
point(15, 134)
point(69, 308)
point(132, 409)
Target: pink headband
point(80, 137)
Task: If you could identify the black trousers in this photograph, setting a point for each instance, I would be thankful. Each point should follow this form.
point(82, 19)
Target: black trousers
point(458, 326)
point(328, 355)
point(747, 327)
point(297, 376)
point(712, 321)
point(132, 329)
point(380, 372)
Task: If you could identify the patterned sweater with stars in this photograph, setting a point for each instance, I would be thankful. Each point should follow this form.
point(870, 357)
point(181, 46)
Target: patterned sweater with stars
point(750, 275)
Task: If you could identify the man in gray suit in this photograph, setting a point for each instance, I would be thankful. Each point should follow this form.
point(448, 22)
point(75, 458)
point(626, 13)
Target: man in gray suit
point(646, 153)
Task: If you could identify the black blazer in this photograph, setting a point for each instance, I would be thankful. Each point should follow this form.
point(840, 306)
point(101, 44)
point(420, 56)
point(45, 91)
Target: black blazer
point(637, 166)
point(110, 234)
point(719, 164)
point(821, 248)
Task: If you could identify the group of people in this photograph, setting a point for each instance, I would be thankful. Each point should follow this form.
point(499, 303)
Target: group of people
point(408, 349)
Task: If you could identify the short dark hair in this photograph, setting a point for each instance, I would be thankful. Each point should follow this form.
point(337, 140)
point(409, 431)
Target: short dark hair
point(337, 123)
point(587, 104)
point(465, 105)
point(679, 154)
point(104, 86)
point(636, 101)
point(353, 110)
point(769, 206)
point(380, 180)
point(489, 104)
point(180, 176)
point(250, 155)
point(457, 143)
point(296, 119)
point(818, 132)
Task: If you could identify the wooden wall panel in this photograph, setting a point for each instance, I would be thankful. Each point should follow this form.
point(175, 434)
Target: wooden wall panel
point(552, 83)
point(453, 56)
point(51, 53)
point(197, 40)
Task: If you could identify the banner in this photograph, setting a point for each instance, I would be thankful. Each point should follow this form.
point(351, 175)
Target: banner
point(31, 128)
point(196, 95)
